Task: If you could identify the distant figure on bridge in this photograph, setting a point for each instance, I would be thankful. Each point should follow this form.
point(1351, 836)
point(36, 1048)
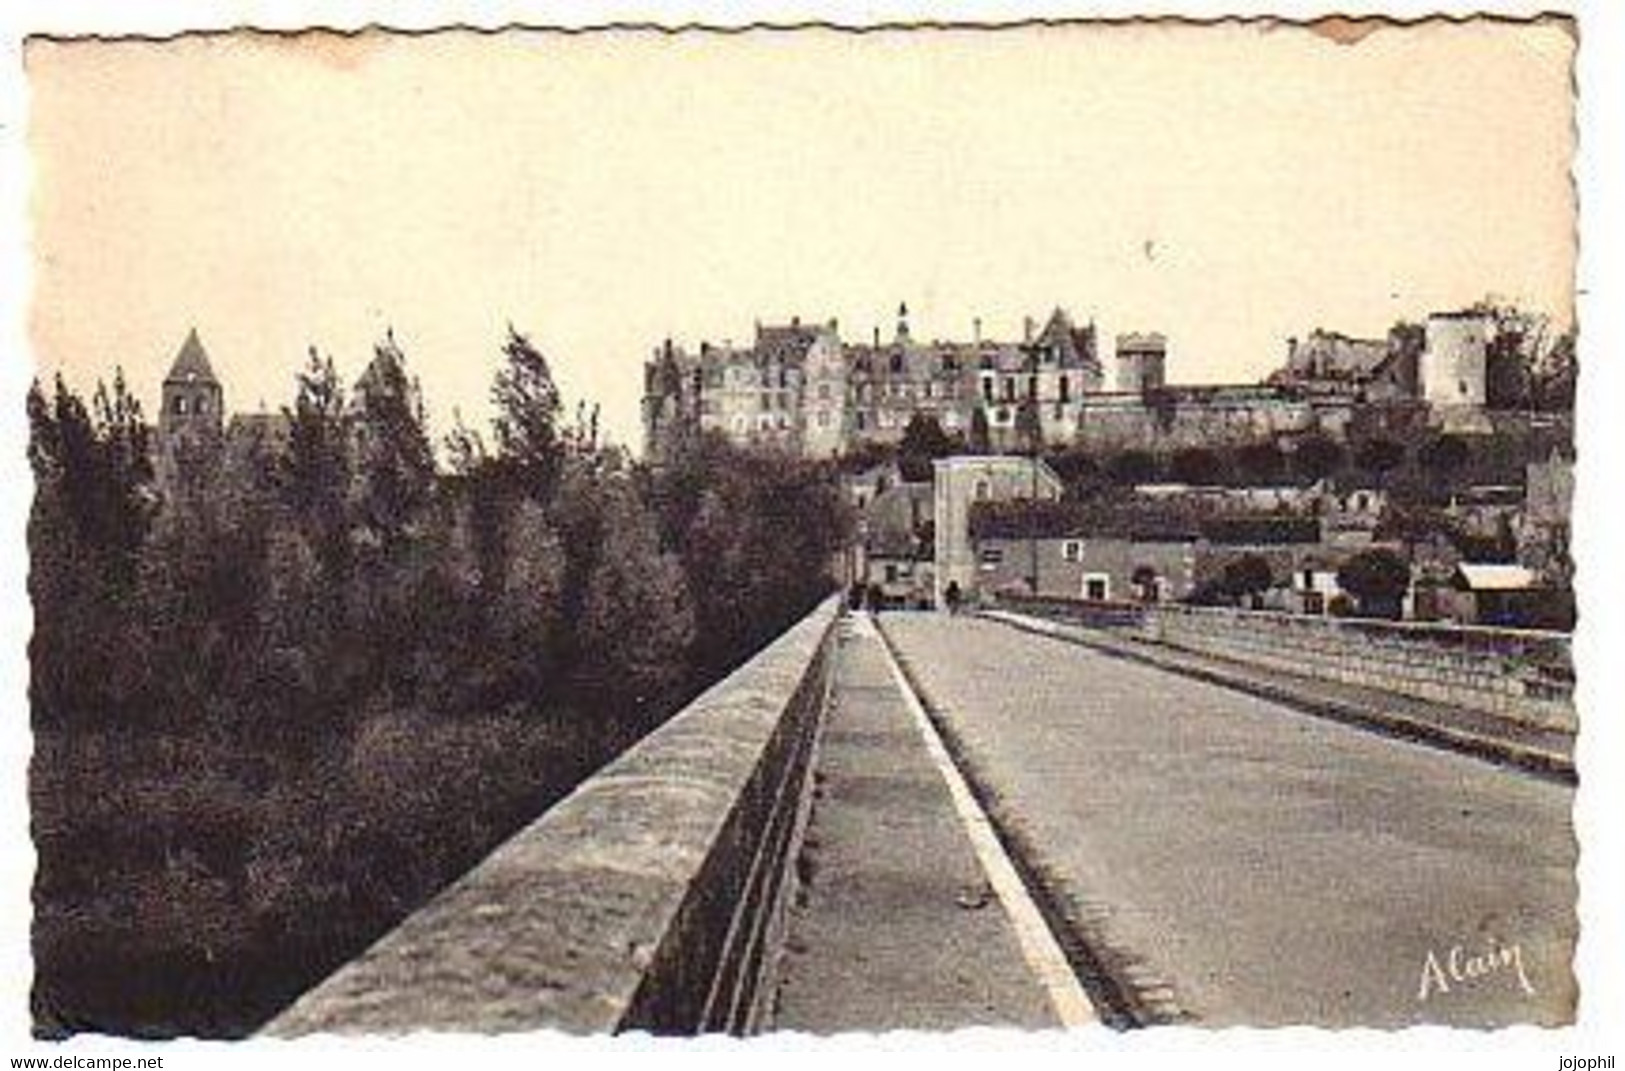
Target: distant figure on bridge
point(952, 596)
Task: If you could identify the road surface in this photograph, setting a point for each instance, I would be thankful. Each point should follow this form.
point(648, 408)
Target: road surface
point(1256, 864)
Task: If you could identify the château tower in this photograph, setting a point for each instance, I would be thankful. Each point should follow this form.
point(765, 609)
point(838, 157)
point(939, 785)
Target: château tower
point(190, 420)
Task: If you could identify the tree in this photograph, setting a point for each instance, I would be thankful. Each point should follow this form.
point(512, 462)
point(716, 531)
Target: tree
point(465, 449)
point(1554, 375)
point(1377, 579)
point(526, 426)
point(1077, 470)
point(523, 616)
point(1246, 577)
point(1530, 362)
point(394, 462)
point(1261, 462)
point(1444, 457)
point(923, 442)
point(637, 622)
point(1197, 466)
point(1379, 456)
point(1132, 466)
point(314, 470)
point(1317, 456)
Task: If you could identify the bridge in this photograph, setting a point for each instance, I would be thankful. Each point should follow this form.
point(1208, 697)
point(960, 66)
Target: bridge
point(1048, 814)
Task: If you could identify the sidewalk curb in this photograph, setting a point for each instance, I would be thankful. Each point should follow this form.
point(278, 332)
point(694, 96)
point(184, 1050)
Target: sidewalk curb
point(1535, 761)
point(1125, 993)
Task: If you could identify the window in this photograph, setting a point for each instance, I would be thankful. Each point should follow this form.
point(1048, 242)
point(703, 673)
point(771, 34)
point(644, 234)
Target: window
point(1066, 389)
point(1097, 587)
point(823, 418)
point(179, 406)
point(1009, 388)
point(891, 573)
point(1072, 550)
point(983, 490)
point(823, 392)
point(991, 555)
point(987, 388)
point(1032, 386)
point(897, 362)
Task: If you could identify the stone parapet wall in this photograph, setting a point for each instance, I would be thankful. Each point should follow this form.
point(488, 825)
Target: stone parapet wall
point(1523, 675)
point(653, 897)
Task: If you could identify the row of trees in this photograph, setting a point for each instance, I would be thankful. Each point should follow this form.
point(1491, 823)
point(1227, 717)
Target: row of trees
point(1375, 580)
point(283, 704)
point(1425, 462)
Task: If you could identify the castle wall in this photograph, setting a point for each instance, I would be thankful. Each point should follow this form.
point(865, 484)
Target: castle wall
point(1118, 422)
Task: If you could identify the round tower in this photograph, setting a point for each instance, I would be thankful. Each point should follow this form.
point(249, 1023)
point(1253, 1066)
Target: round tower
point(1455, 359)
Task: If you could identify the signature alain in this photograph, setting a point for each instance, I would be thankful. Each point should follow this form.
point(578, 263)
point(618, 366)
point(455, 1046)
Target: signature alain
point(1459, 967)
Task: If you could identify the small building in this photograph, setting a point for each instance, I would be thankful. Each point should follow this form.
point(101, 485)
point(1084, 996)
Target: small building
point(899, 546)
point(1484, 593)
point(960, 483)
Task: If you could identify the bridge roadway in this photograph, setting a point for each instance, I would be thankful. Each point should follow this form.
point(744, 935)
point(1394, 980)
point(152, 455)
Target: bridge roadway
point(1220, 858)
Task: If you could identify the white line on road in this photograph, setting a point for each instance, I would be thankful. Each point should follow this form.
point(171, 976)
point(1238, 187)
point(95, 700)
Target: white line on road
point(1038, 945)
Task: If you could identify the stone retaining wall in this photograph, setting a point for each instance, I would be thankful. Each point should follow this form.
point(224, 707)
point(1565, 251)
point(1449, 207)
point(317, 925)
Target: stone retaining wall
point(653, 897)
point(1523, 675)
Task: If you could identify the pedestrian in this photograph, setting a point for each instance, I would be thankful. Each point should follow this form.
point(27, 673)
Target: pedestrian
point(951, 595)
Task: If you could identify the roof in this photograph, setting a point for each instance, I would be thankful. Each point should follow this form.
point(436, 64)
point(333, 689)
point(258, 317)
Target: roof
point(785, 343)
point(1074, 345)
point(191, 363)
point(1485, 576)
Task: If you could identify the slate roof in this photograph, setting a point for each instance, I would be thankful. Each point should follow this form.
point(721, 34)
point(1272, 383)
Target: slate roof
point(784, 343)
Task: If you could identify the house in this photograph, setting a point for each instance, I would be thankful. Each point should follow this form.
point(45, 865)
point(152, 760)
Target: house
point(1093, 568)
point(899, 545)
point(960, 484)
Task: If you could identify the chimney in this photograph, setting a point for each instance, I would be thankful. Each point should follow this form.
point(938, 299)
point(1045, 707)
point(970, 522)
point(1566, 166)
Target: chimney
point(877, 336)
point(976, 330)
point(1028, 328)
point(795, 321)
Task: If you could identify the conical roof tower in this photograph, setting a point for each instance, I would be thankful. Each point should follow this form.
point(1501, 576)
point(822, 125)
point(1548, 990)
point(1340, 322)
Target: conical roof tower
point(191, 364)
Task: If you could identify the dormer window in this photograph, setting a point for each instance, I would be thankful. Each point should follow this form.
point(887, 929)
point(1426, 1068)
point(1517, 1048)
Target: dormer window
point(179, 406)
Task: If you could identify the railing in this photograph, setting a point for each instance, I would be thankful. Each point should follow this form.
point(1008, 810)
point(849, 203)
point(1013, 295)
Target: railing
point(653, 897)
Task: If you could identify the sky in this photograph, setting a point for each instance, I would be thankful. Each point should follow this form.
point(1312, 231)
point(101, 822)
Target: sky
point(1231, 186)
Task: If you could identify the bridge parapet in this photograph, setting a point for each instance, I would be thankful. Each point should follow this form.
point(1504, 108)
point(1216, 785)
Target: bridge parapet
point(652, 897)
point(1515, 673)
point(1521, 674)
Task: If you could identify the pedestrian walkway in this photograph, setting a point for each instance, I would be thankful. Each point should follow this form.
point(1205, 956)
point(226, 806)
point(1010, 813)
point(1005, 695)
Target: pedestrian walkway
point(897, 925)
